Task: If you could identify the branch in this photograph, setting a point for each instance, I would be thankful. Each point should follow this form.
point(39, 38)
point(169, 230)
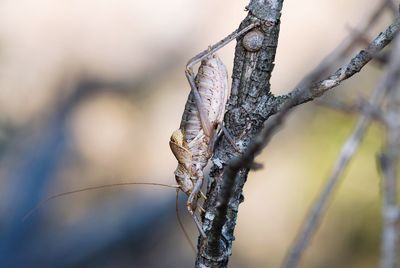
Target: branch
point(317, 210)
point(388, 161)
point(361, 106)
point(349, 148)
point(250, 105)
point(246, 113)
point(304, 94)
point(327, 65)
point(392, 5)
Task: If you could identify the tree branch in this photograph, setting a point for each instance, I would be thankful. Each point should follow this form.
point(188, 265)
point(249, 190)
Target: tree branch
point(305, 93)
point(318, 208)
point(388, 162)
point(349, 148)
point(250, 104)
point(327, 65)
point(360, 106)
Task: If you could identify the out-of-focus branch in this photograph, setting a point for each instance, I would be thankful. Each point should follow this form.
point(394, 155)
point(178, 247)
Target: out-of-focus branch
point(358, 107)
point(357, 36)
point(319, 207)
point(95, 234)
point(34, 163)
point(348, 150)
point(304, 94)
point(392, 5)
point(388, 163)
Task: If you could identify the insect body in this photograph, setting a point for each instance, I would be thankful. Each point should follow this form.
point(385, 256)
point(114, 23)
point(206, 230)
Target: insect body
point(192, 144)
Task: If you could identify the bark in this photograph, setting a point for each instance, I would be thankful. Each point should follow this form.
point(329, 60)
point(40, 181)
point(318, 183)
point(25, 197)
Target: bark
point(250, 104)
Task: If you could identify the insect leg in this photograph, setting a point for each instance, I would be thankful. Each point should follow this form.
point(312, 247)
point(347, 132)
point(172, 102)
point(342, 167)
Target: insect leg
point(192, 202)
point(205, 123)
point(181, 223)
point(230, 138)
point(218, 134)
point(203, 195)
point(214, 48)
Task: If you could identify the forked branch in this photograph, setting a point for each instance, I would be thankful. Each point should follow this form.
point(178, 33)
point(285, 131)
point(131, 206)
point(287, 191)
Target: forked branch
point(250, 106)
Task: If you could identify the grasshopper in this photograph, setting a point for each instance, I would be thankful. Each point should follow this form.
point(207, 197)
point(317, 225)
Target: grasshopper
point(193, 143)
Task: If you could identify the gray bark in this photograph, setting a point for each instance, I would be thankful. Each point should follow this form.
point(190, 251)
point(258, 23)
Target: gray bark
point(250, 104)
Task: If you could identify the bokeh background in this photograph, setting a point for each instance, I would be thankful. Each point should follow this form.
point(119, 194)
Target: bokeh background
point(90, 91)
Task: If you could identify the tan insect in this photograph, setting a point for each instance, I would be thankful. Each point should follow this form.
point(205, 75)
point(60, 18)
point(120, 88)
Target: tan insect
point(193, 143)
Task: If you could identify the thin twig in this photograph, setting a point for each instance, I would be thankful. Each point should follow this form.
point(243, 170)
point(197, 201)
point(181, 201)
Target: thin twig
point(304, 94)
point(393, 6)
point(299, 95)
point(388, 163)
point(319, 207)
point(358, 107)
point(349, 148)
point(357, 35)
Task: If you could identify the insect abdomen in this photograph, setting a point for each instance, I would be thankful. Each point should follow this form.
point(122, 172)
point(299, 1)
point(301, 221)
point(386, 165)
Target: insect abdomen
point(212, 84)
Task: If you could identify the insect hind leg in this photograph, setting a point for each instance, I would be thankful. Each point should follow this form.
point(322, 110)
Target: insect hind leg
point(205, 123)
point(217, 46)
point(192, 204)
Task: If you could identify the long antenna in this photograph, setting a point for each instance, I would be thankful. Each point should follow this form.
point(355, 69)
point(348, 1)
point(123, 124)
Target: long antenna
point(90, 189)
point(178, 217)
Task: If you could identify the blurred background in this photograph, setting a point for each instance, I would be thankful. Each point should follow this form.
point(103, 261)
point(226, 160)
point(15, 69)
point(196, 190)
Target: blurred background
point(90, 91)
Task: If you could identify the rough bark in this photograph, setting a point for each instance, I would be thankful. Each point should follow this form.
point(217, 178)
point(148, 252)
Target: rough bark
point(249, 106)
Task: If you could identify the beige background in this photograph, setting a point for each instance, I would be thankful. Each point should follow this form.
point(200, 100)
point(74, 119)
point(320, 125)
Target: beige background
point(46, 46)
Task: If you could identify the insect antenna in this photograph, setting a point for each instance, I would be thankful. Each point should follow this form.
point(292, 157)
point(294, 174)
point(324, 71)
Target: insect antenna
point(178, 217)
point(41, 203)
